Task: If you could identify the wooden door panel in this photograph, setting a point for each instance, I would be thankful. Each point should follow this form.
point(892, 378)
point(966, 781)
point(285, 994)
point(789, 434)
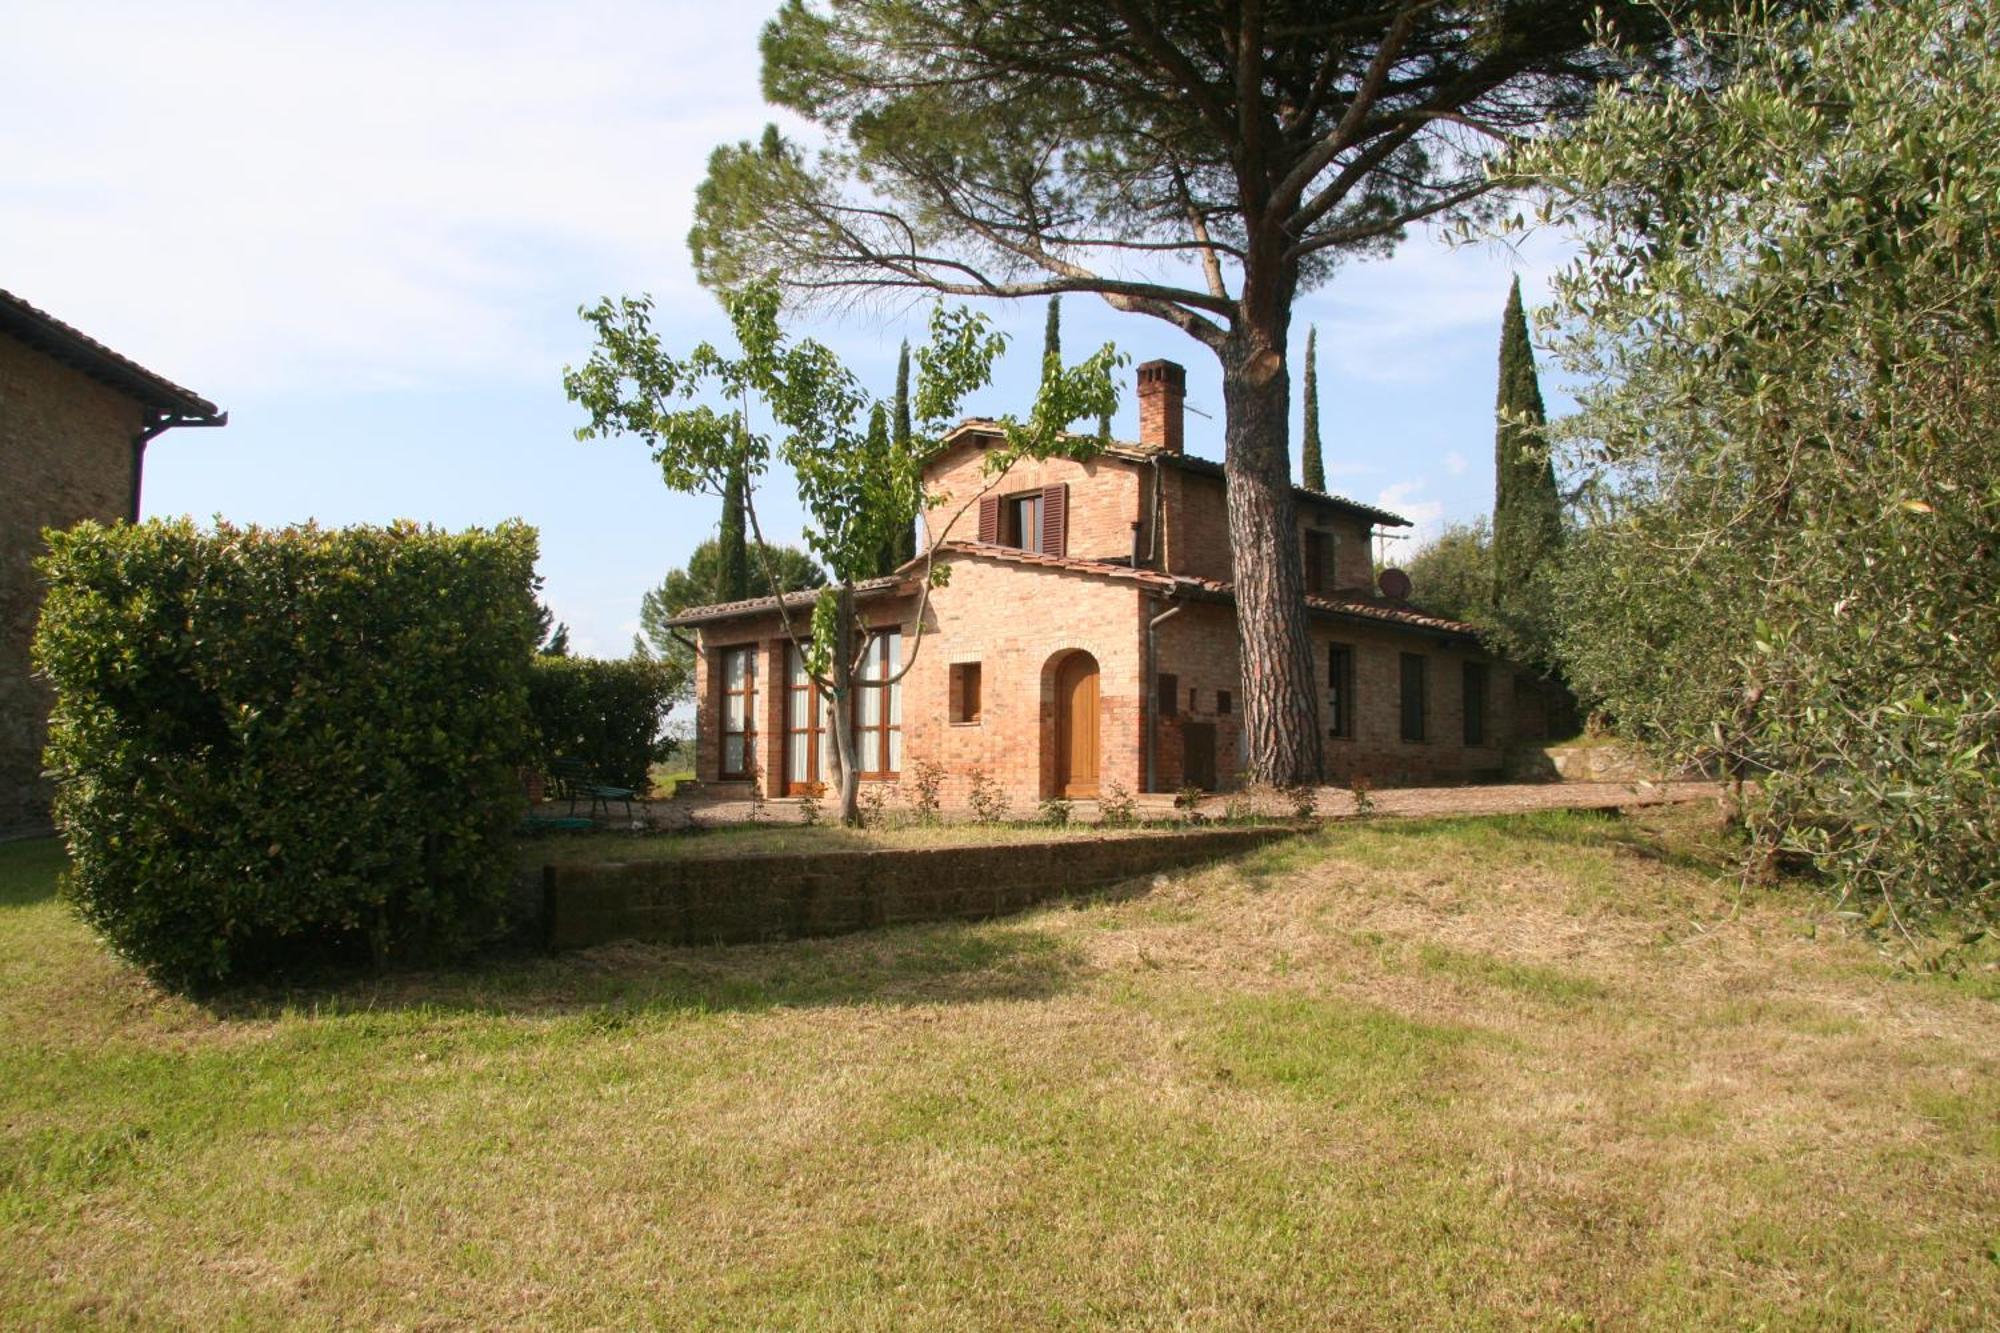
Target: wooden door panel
point(1077, 726)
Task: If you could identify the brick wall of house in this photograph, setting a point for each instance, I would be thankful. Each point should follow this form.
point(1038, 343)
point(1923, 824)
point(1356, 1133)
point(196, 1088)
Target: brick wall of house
point(1104, 497)
point(66, 456)
point(1376, 750)
point(1018, 624)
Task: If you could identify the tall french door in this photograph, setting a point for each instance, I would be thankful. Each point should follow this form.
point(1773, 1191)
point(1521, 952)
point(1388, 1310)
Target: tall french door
point(807, 744)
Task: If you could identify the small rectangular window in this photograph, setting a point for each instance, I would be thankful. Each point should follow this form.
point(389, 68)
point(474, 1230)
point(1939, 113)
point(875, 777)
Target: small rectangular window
point(1475, 703)
point(1223, 702)
point(1415, 687)
point(1168, 694)
point(1193, 697)
point(965, 691)
point(1340, 690)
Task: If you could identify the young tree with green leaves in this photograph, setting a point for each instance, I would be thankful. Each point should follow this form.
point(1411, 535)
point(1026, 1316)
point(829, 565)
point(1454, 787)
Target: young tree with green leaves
point(1199, 163)
point(1527, 507)
point(1790, 349)
point(858, 487)
point(1312, 466)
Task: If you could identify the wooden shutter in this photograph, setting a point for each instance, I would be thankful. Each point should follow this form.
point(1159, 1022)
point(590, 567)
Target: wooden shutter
point(1055, 520)
point(989, 520)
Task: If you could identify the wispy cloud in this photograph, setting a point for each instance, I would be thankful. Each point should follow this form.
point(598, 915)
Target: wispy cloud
point(363, 197)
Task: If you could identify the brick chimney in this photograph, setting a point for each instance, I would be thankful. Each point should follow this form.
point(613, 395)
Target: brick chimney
point(1162, 386)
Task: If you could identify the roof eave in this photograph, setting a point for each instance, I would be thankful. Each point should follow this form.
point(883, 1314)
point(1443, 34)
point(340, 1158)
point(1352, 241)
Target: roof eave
point(81, 352)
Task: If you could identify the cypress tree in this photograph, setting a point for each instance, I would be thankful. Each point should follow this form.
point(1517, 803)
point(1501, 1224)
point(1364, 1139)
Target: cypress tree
point(1313, 465)
point(1052, 337)
point(906, 549)
point(732, 582)
point(1527, 509)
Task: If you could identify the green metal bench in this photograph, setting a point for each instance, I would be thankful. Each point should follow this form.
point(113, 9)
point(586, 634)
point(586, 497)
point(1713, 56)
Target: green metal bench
point(573, 779)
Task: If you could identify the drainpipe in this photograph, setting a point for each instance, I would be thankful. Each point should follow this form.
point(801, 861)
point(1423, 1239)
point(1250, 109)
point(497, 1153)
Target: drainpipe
point(1148, 691)
point(158, 424)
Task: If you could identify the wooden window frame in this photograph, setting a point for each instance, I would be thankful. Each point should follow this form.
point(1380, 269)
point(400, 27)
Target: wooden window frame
point(1475, 686)
point(1340, 690)
point(1420, 698)
point(1036, 521)
point(1017, 529)
point(876, 767)
point(723, 694)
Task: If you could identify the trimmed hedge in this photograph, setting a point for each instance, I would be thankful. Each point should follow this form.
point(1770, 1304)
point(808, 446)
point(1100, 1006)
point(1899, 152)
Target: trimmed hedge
point(606, 713)
point(276, 747)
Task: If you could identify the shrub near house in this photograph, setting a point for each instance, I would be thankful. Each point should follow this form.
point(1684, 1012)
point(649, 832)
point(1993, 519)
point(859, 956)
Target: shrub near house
point(278, 746)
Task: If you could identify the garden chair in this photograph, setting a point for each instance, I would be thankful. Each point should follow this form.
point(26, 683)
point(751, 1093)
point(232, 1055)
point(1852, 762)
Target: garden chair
point(574, 779)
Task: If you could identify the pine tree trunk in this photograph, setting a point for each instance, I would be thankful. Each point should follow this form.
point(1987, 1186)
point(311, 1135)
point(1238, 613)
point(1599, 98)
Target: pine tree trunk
point(1281, 706)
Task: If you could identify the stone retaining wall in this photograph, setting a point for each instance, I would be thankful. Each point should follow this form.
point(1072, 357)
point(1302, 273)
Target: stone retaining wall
point(745, 899)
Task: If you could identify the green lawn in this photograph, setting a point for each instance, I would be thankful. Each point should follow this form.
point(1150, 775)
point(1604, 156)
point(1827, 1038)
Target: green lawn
point(1529, 1072)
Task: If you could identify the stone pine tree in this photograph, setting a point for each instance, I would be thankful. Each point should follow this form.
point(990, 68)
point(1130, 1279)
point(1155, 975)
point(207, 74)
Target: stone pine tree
point(1527, 508)
point(732, 569)
point(1312, 465)
point(1201, 163)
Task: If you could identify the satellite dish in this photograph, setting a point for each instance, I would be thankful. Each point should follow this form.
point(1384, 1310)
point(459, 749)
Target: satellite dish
point(1395, 585)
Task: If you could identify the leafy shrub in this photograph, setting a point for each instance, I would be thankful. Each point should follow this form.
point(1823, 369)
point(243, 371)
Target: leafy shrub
point(1363, 791)
point(871, 805)
point(609, 714)
point(989, 803)
point(1056, 812)
point(1118, 806)
point(280, 746)
point(810, 809)
point(926, 786)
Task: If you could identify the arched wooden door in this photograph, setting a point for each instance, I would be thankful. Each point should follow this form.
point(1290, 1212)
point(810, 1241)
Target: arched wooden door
point(1076, 726)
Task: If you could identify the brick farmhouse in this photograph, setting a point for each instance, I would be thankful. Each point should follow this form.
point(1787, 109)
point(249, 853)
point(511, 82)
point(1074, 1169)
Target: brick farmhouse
point(75, 418)
point(1086, 640)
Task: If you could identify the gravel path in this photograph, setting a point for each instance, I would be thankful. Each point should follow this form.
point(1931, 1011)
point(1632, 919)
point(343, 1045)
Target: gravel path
point(1334, 803)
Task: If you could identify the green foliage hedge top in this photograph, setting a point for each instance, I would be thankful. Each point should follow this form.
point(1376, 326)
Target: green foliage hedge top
point(279, 745)
point(606, 713)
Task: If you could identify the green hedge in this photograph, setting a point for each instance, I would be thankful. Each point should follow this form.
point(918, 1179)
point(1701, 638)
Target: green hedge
point(284, 746)
point(606, 713)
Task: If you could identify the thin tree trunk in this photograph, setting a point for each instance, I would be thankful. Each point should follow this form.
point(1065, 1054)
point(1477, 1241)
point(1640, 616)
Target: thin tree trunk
point(1281, 705)
point(846, 772)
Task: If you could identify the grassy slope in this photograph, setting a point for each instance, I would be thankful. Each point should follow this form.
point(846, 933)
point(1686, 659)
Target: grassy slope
point(1479, 1073)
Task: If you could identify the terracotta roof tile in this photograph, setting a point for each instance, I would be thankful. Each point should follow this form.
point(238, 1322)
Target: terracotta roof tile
point(751, 606)
point(72, 346)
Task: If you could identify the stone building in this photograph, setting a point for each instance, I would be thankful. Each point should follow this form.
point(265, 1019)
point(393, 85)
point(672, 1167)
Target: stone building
point(1087, 637)
point(75, 417)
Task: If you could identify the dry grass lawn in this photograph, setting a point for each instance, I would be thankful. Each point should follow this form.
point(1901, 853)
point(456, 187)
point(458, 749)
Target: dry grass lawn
point(1543, 1071)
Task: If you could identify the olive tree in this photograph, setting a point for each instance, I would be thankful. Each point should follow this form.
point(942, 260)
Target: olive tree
point(862, 488)
point(1790, 345)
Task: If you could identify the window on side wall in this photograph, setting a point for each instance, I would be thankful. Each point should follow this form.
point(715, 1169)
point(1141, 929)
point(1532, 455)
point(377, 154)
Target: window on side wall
point(1224, 703)
point(737, 669)
point(1475, 703)
point(1168, 694)
point(1340, 691)
point(1024, 522)
point(1318, 560)
point(878, 707)
point(1415, 689)
point(965, 701)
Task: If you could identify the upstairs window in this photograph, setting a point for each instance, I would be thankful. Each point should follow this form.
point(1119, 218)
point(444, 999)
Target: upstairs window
point(1223, 703)
point(1318, 560)
point(1033, 521)
point(1023, 526)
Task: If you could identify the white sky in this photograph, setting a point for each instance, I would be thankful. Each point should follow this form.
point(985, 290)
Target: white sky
point(365, 229)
